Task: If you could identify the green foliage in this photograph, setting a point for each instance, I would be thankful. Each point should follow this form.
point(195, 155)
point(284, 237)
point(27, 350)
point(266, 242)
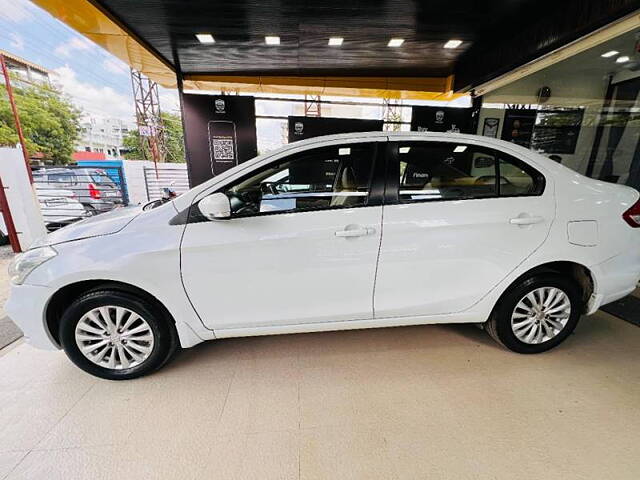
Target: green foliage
point(173, 140)
point(49, 121)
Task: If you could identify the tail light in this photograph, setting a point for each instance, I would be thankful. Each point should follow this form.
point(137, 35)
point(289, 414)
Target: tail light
point(632, 216)
point(94, 192)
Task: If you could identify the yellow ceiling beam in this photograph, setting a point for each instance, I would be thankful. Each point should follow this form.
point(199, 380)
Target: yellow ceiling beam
point(415, 88)
point(93, 23)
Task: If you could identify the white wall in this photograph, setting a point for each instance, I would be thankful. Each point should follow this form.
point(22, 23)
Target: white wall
point(167, 173)
point(22, 199)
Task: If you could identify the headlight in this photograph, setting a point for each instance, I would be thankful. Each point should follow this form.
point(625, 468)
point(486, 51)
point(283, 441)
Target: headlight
point(24, 263)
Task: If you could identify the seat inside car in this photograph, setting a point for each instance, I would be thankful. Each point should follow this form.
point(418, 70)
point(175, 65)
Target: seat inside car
point(346, 182)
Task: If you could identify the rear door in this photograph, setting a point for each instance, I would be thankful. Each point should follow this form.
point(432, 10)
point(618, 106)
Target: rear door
point(458, 218)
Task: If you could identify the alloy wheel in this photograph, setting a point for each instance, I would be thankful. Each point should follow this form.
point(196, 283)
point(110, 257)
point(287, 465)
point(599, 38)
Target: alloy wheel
point(541, 315)
point(114, 337)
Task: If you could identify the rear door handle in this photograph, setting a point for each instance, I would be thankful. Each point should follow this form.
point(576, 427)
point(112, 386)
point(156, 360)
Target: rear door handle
point(526, 220)
point(355, 232)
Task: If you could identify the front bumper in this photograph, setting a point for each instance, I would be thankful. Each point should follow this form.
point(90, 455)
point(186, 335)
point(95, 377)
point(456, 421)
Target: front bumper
point(26, 308)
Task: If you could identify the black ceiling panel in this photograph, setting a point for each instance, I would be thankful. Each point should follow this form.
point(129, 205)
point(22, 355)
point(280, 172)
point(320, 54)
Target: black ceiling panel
point(492, 31)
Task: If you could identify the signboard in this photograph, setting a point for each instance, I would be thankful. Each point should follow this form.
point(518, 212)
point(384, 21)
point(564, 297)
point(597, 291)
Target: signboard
point(441, 119)
point(220, 133)
point(309, 127)
point(146, 131)
point(557, 131)
point(518, 126)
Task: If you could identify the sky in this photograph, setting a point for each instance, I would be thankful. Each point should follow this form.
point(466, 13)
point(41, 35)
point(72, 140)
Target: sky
point(95, 80)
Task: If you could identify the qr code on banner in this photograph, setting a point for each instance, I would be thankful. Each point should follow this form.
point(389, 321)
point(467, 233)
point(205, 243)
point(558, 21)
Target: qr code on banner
point(223, 149)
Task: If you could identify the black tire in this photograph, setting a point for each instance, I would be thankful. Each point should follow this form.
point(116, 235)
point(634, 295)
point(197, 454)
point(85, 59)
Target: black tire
point(499, 324)
point(165, 337)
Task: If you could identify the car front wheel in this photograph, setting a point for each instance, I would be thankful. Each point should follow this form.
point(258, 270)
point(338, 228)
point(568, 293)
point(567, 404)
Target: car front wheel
point(536, 314)
point(116, 335)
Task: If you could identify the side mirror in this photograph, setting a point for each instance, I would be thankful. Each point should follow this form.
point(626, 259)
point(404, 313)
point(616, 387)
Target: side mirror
point(215, 207)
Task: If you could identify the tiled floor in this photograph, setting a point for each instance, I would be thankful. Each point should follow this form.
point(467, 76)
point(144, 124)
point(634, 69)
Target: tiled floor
point(436, 402)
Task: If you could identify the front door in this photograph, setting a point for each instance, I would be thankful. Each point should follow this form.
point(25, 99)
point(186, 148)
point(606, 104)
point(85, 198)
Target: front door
point(460, 218)
point(301, 245)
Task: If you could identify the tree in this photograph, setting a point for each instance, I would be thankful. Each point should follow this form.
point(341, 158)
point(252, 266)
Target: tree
point(49, 121)
point(173, 140)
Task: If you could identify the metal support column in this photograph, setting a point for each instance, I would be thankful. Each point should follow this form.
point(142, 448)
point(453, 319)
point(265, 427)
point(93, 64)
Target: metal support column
point(391, 114)
point(148, 118)
point(312, 106)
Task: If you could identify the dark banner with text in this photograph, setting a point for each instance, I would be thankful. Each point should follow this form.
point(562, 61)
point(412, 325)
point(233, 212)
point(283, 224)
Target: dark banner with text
point(220, 133)
point(441, 119)
point(308, 127)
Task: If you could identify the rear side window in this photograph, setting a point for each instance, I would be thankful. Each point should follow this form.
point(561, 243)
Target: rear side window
point(448, 171)
point(62, 178)
point(101, 178)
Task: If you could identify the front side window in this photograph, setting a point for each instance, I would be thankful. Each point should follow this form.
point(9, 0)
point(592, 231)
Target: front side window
point(325, 177)
point(450, 171)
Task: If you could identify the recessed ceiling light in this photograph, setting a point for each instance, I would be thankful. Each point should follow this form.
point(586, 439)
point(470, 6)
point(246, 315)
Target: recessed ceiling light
point(335, 41)
point(404, 149)
point(623, 59)
point(395, 42)
point(453, 44)
point(610, 53)
point(205, 38)
point(272, 40)
point(460, 149)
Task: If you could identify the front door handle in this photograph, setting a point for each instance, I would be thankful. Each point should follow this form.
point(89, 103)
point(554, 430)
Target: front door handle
point(355, 232)
point(526, 220)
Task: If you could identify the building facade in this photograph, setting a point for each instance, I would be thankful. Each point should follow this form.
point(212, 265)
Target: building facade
point(25, 71)
point(103, 135)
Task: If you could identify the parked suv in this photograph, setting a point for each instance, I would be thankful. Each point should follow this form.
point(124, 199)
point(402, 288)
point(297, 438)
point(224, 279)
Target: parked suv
point(92, 186)
point(333, 233)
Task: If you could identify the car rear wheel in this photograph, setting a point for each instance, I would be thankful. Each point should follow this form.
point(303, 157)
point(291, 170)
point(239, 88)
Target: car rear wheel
point(116, 335)
point(536, 314)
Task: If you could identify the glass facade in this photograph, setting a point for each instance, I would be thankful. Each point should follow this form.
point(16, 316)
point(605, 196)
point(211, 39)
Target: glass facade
point(583, 112)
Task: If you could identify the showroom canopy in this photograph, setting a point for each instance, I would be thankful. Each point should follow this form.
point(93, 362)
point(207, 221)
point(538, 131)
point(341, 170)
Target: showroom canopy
point(381, 48)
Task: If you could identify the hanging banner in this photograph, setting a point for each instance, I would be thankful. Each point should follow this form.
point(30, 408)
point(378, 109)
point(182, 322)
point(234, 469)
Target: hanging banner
point(308, 127)
point(518, 126)
point(441, 119)
point(220, 133)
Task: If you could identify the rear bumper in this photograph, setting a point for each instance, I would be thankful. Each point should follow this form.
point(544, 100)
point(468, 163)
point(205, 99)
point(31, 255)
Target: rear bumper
point(26, 308)
point(615, 278)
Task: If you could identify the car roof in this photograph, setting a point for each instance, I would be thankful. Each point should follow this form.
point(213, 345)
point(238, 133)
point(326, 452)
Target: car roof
point(395, 136)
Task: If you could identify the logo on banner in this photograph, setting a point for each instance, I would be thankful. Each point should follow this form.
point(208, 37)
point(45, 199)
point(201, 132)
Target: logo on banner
point(440, 117)
point(298, 127)
point(220, 106)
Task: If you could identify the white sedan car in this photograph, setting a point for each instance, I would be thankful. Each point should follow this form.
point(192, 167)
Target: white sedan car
point(340, 232)
point(59, 207)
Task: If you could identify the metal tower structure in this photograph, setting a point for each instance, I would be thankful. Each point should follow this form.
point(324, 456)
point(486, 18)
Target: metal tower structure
point(391, 114)
point(312, 104)
point(150, 125)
